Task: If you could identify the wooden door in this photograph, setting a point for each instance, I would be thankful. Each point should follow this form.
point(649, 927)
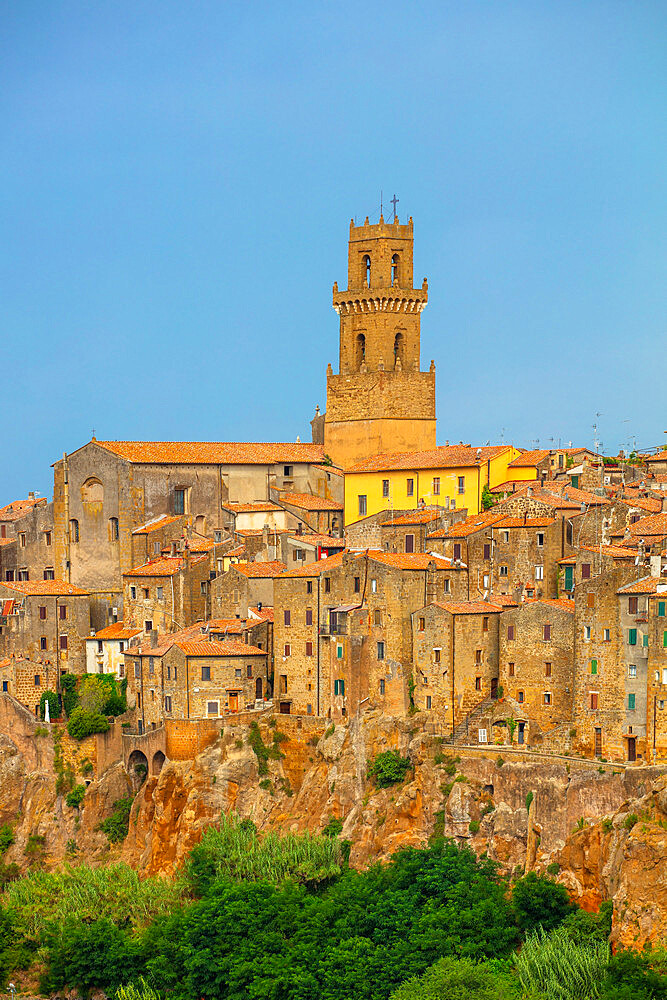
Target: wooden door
point(234, 702)
point(632, 748)
point(494, 687)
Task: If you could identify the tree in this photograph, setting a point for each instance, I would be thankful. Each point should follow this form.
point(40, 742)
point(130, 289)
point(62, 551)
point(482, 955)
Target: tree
point(539, 902)
point(488, 498)
point(92, 956)
point(459, 979)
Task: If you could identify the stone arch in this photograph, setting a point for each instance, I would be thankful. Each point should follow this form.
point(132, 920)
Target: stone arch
point(399, 348)
point(395, 262)
point(258, 689)
point(157, 762)
point(92, 491)
point(137, 763)
point(360, 350)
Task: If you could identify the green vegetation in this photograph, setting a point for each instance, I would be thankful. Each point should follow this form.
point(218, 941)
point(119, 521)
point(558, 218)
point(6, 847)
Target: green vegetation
point(333, 828)
point(75, 797)
point(488, 498)
point(54, 705)
point(553, 965)
point(630, 820)
point(83, 723)
point(389, 768)
point(262, 752)
point(529, 799)
point(460, 979)
point(118, 823)
point(70, 696)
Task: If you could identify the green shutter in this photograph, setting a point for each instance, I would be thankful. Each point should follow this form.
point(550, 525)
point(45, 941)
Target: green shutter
point(632, 636)
point(661, 609)
point(664, 638)
point(631, 702)
point(594, 666)
point(569, 577)
point(645, 639)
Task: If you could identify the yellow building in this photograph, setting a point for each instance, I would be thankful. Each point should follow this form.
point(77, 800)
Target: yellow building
point(452, 476)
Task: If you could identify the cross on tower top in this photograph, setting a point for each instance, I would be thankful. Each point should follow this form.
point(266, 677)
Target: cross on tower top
point(394, 201)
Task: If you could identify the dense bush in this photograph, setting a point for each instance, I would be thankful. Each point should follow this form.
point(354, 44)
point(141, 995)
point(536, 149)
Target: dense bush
point(539, 902)
point(83, 723)
point(92, 957)
point(54, 705)
point(75, 797)
point(70, 697)
point(553, 965)
point(118, 823)
point(101, 694)
point(460, 979)
point(389, 768)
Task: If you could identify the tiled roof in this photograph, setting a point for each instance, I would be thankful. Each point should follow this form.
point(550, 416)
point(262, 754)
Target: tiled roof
point(511, 485)
point(155, 524)
point(256, 532)
point(333, 469)
point(649, 504)
point(205, 647)
point(316, 568)
point(661, 456)
point(503, 600)
point(615, 551)
point(235, 553)
point(413, 517)
point(166, 641)
point(560, 603)
point(255, 570)
point(652, 525)
point(468, 527)
point(308, 501)
point(19, 508)
point(202, 544)
point(314, 538)
point(165, 566)
point(214, 452)
point(45, 588)
point(530, 522)
point(442, 457)
point(530, 458)
point(119, 630)
point(7, 541)
point(263, 614)
point(569, 492)
point(410, 560)
point(256, 507)
point(468, 607)
point(647, 585)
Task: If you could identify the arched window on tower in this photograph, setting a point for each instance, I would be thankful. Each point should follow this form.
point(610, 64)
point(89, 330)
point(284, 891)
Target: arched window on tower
point(398, 348)
point(361, 350)
point(367, 270)
point(394, 270)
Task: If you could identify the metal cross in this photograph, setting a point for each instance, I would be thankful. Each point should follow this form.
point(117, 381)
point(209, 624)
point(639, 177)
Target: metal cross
point(394, 201)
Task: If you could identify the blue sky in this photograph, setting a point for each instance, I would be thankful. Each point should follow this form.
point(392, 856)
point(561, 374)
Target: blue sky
point(176, 185)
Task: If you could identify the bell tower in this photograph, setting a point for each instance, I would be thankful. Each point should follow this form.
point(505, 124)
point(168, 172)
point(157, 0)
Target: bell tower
point(380, 401)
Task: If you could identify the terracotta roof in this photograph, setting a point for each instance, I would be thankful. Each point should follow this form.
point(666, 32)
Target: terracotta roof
point(314, 538)
point(166, 641)
point(155, 524)
point(261, 569)
point(45, 588)
point(230, 647)
point(567, 560)
point(119, 630)
point(510, 485)
point(213, 452)
point(308, 501)
point(235, 553)
point(660, 456)
point(468, 607)
point(647, 585)
point(530, 458)
point(165, 566)
point(560, 603)
point(19, 508)
point(442, 457)
point(530, 522)
point(569, 492)
point(315, 568)
point(503, 600)
point(8, 541)
point(615, 551)
point(334, 469)
point(263, 614)
point(409, 560)
point(650, 504)
point(468, 527)
point(256, 532)
point(652, 525)
point(202, 544)
point(256, 507)
point(414, 517)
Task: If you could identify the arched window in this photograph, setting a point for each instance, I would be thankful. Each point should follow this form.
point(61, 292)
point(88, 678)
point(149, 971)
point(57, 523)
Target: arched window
point(367, 269)
point(394, 270)
point(113, 529)
point(74, 530)
point(361, 350)
point(200, 524)
point(398, 348)
point(92, 491)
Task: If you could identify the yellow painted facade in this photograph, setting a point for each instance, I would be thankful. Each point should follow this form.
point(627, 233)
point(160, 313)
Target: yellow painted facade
point(450, 486)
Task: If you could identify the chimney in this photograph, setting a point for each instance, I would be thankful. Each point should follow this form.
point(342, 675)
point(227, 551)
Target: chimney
point(299, 528)
point(259, 605)
point(153, 638)
point(31, 495)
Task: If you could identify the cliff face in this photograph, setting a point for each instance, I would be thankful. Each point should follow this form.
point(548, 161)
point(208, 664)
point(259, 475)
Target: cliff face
point(525, 813)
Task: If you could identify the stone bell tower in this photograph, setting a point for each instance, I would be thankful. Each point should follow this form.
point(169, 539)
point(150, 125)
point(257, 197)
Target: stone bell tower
point(380, 401)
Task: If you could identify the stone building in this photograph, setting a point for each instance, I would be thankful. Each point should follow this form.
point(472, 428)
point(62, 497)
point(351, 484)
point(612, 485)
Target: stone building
point(656, 628)
point(45, 620)
point(321, 515)
point(379, 401)
point(537, 666)
point(26, 540)
point(243, 586)
point(169, 593)
point(105, 650)
point(455, 650)
point(27, 680)
point(162, 535)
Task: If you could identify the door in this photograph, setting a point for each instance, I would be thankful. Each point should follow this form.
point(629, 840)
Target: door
point(409, 543)
point(632, 748)
point(522, 733)
point(234, 702)
point(598, 742)
point(285, 707)
point(494, 687)
point(258, 689)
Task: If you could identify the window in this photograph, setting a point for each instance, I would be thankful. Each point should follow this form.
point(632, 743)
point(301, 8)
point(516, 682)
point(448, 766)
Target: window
point(447, 585)
point(482, 736)
point(409, 543)
point(37, 680)
point(594, 666)
point(100, 646)
point(160, 593)
point(664, 674)
point(309, 649)
point(179, 501)
point(510, 669)
point(380, 650)
point(146, 593)
point(457, 550)
point(462, 484)
point(357, 584)
point(5, 686)
point(606, 635)
point(519, 697)
point(585, 571)
point(47, 537)
point(487, 552)
point(206, 672)
point(42, 642)
point(22, 539)
point(485, 624)
point(287, 617)
point(394, 270)
point(217, 535)
point(632, 670)
point(213, 708)
point(505, 535)
point(478, 656)
point(631, 701)
point(339, 687)
point(339, 652)
point(382, 685)
point(503, 571)
point(299, 555)
point(309, 586)
point(632, 636)
point(309, 616)
point(167, 703)
point(590, 600)
point(74, 530)
point(410, 487)
point(547, 670)
point(385, 487)
point(377, 617)
point(587, 631)
point(148, 625)
point(137, 669)
point(287, 651)
point(63, 642)
point(485, 580)
point(436, 486)
point(428, 701)
point(633, 605)
point(42, 613)
point(203, 587)
point(478, 683)
point(661, 609)
point(539, 572)
point(547, 697)
point(374, 586)
point(362, 500)
point(437, 654)
point(23, 575)
point(547, 633)
point(594, 701)
point(422, 624)
point(133, 593)
point(327, 584)
point(237, 673)
point(510, 632)
point(288, 471)
point(113, 529)
point(151, 666)
point(664, 639)
point(540, 538)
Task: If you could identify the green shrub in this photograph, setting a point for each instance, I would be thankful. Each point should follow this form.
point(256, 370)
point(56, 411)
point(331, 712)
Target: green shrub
point(330, 731)
point(333, 828)
point(529, 799)
point(97, 956)
point(262, 752)
point(134, 991)
point(539, 902)
point(630, 820)
point(69, 692)
point(552, 965)
point(607, 825)
point(82, 723)
point(630, 977)
point(454, 978)
point(54, 705)
point(553, 869)
point(75, 797)
point(389, 768)
point(118, 823)
point(499, 762)
point(6, 837)
point(473, 826)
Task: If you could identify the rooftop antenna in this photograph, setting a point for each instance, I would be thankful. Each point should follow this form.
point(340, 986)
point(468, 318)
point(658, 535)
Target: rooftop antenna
point(381, 212)
point(395, 202)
